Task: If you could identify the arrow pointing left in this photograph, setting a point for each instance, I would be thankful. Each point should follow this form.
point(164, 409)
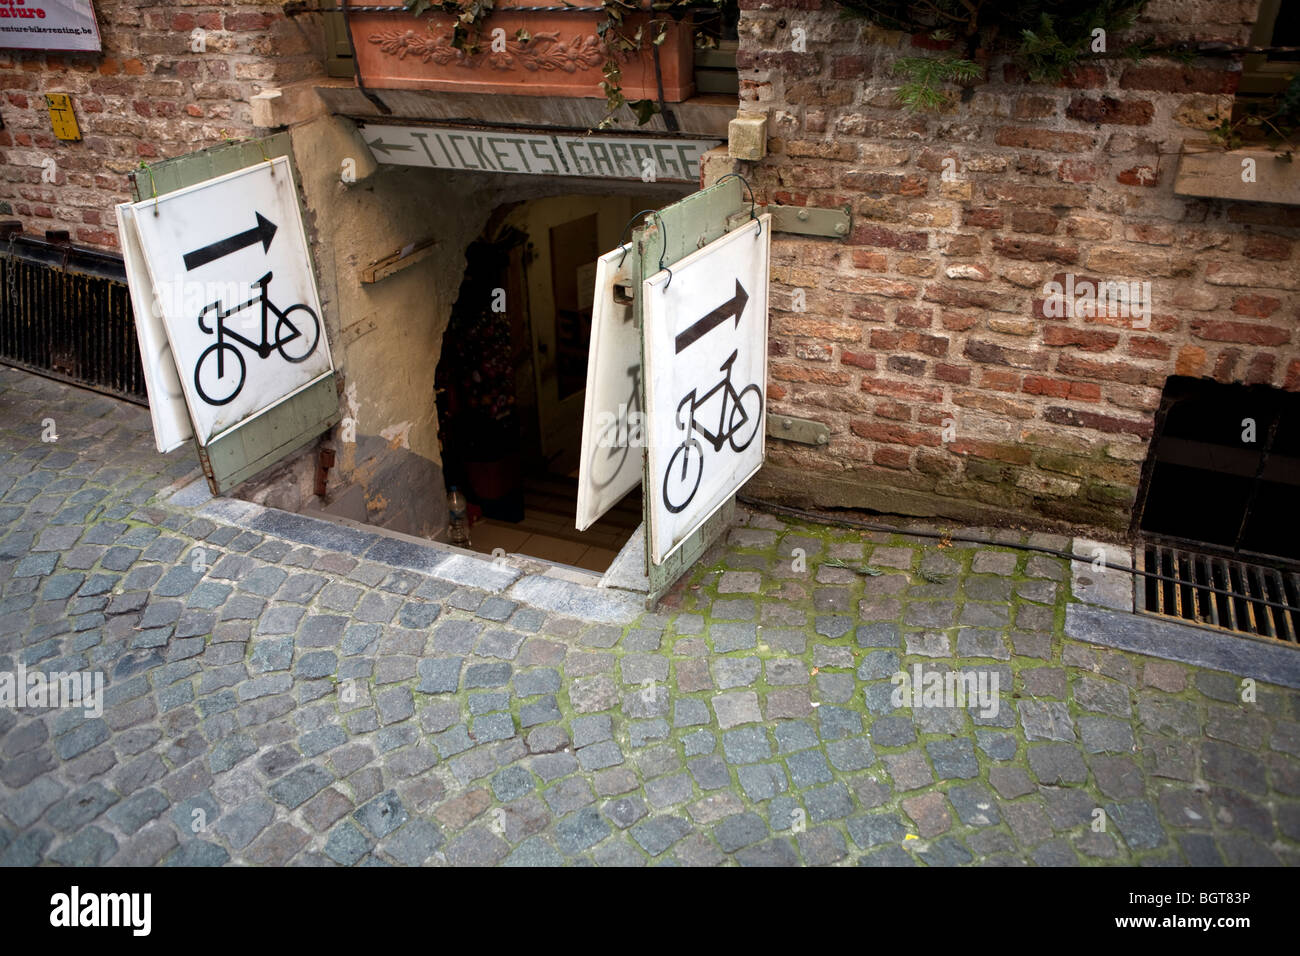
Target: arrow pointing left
point(380, 146)
point(263, 232)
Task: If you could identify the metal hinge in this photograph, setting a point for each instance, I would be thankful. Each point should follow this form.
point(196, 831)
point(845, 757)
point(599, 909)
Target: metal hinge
point(801, 220)
point(801, 430)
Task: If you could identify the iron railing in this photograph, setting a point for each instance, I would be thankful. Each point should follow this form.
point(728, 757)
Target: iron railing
point(65, 312)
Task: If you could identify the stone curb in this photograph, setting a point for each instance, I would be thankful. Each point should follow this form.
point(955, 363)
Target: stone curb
point(1234, 653)
point(545, 591)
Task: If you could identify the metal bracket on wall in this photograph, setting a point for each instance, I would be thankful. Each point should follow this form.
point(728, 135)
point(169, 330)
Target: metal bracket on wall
point(404, 257)
point(802, 430)
point(801, 220)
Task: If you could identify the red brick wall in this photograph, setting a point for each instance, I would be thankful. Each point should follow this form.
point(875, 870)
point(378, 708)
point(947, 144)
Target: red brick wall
point(932, 311)
point(147, 96)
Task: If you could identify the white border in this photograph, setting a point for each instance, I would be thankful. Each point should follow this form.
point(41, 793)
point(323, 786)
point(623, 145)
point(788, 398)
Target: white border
point(608, 275)
point(279, 165)
point(764, 223)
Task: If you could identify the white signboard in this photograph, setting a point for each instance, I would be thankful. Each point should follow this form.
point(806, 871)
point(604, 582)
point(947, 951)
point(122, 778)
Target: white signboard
point(228, 262)
point(512, 151)
point(171, 419)
point(706, 381)
point(612, 436)
point(48, 25)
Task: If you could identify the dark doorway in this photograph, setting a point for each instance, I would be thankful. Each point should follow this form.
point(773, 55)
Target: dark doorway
point(573, 247)
point(1224, 469)
point(512, 377)
point(475, 379)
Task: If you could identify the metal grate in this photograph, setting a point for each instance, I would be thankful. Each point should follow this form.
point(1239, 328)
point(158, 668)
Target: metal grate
point(66, 312)
point(1219, 592)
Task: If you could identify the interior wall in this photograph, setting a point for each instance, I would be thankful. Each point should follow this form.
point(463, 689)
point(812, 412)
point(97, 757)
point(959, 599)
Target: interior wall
point(386, 335)
point(537, 218)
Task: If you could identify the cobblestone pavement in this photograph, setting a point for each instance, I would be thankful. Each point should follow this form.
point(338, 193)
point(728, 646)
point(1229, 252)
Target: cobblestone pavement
point(271, 703)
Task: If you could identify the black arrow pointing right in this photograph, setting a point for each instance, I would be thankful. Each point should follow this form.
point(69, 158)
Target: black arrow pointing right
point(733, 306)
point(263, 232)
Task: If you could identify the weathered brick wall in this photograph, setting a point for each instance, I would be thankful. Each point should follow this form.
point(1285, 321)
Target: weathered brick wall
point(149, 95)
point(932, 312)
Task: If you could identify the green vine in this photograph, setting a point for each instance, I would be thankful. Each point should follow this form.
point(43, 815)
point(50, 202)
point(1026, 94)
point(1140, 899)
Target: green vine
point(1273, 120)
point(1050, 48)
point(920, 91)
point(1045, 37)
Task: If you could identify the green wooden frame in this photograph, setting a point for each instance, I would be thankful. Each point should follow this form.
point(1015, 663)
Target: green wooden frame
point(666, 238)
point(259, 442)
point(1261, 76)
point(338, 48)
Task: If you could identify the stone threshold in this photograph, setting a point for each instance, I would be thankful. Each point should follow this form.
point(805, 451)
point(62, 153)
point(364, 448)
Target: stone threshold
point(549, 587)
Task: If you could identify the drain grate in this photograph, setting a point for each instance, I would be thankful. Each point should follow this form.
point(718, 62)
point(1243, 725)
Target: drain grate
point(1219, 592)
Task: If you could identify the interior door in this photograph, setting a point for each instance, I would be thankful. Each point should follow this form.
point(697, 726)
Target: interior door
point(562, 338)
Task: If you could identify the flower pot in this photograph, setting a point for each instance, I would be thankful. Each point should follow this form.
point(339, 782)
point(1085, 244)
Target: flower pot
point(562, 56)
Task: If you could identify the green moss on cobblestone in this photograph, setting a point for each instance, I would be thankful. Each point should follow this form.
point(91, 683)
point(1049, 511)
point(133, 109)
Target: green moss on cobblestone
point(854, 547)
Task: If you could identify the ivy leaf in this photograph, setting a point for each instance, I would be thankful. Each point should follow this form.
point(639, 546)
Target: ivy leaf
point(644, 110)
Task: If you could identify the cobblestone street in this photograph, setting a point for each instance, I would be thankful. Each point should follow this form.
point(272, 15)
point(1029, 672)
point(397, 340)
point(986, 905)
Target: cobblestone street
point(283, 691)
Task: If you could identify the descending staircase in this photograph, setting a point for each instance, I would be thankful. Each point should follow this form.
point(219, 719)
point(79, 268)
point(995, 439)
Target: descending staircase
point(547, 531)
point(553, 498)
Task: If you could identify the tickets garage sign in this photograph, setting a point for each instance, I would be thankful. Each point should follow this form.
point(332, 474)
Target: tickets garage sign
point(66, 25)
point(539, 154)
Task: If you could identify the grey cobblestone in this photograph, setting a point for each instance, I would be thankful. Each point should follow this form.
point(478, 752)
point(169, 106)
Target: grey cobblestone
point(328, 710)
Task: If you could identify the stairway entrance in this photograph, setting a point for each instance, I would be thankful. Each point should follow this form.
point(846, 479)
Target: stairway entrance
point(547, 531)
point(512, 378)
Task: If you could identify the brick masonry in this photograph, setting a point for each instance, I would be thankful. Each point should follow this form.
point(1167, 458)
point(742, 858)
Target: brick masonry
point(933, 312)
point(149, 95)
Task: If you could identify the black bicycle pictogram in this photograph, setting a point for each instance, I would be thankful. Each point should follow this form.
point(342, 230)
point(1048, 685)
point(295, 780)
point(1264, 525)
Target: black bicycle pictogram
point(738, 421)
point(618, 436)
point(216, 383)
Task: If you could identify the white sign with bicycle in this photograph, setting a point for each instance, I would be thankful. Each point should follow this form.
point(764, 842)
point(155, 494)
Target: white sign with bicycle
point(706, 380)
point(612, 421)
point(234, 288)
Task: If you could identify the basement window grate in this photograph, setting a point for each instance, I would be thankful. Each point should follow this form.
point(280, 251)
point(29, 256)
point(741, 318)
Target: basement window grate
point(65, 312)
point(1219, 592)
